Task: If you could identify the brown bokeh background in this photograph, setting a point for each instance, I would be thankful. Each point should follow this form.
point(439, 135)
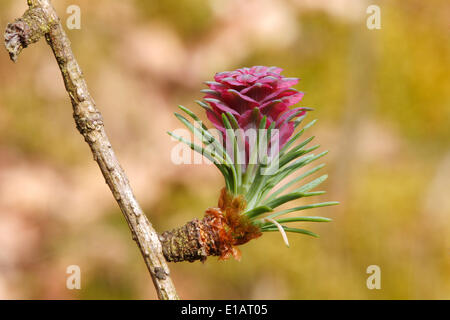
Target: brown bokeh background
point(383, 104)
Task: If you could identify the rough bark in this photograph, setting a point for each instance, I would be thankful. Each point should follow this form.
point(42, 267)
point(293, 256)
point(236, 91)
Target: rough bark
point(196, 240)
point(41, 20)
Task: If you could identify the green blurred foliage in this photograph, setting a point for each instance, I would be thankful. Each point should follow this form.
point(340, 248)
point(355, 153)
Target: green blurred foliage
point(414, 55)
point(190, 18)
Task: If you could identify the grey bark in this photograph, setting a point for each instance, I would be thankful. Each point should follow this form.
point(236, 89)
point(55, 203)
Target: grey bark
point(41, 20)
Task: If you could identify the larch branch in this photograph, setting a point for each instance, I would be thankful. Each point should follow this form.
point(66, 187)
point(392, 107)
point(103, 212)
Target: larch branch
point(41, 20)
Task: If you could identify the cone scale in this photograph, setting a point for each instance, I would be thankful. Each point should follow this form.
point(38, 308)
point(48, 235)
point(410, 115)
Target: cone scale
point(258, 101)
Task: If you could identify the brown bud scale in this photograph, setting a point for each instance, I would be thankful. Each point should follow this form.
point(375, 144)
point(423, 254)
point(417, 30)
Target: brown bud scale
point(217, 234)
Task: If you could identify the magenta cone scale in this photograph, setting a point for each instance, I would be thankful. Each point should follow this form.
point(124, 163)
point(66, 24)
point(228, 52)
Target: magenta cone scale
point(264, 178)
point(251, 93)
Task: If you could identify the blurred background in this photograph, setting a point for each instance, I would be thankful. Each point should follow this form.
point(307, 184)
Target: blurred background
point(382, 98)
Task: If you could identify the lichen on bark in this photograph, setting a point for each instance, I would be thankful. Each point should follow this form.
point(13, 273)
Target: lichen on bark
point(219, 233)
point(26, 30)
